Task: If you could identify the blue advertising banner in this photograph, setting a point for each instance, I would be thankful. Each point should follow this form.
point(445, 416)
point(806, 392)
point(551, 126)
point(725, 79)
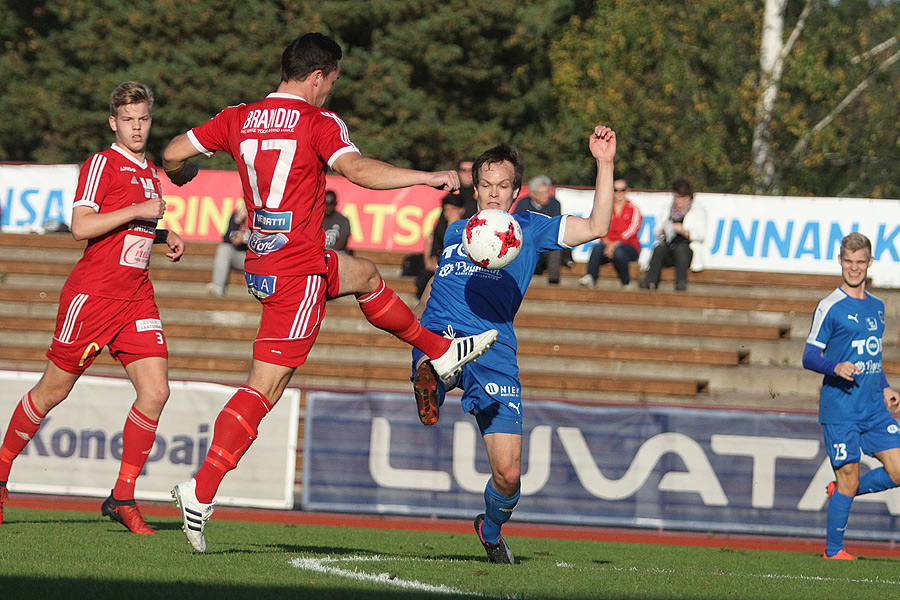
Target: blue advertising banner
point(671, 468)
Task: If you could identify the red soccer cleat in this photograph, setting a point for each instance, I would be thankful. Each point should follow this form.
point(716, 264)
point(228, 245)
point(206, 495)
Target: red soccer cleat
point(829, 489)
point(841, 555)
point(425, 388)
point(126, 512)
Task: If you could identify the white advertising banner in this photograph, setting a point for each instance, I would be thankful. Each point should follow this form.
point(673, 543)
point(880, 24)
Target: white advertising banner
point(78, 448)
point(33, 194)
point(773, 233)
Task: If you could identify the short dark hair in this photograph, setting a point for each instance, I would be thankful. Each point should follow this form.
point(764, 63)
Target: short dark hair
point(309, 53)
point(330, 197)
point(682, 187)
point(498, 154)
point(453, 200)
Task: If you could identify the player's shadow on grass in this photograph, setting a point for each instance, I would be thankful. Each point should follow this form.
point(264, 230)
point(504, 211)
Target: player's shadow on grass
point(327, 550)
point(332, 551)
point(54, 522)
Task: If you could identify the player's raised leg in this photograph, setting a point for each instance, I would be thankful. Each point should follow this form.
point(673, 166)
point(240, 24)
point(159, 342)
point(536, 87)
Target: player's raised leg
point(385, 310)
point(52, 388)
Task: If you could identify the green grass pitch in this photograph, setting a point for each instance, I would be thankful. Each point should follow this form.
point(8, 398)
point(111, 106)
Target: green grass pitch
point(56, 554)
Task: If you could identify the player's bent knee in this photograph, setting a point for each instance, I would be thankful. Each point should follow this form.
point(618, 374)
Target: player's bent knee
point(508, 480)
point(893, 472)
point(155, 399)
point(358, 276)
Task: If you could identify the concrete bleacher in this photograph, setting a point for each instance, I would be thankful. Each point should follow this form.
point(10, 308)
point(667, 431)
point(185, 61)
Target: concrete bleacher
point(734, 339)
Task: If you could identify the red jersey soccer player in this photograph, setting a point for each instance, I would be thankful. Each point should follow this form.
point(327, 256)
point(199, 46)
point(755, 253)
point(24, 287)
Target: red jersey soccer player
point(108, 299)
point(283, 145)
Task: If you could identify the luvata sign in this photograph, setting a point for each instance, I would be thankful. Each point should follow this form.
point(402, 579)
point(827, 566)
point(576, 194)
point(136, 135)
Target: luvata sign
point(79, 445)
point(709, 470)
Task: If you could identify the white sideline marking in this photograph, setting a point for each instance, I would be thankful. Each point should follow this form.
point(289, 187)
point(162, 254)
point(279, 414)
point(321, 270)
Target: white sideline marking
point(320, 565)
point(763, 576)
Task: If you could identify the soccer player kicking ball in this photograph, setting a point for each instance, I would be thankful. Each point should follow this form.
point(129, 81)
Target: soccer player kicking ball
point(855, 402)
point(108, 300)
point(463, 297)
point(283, 145)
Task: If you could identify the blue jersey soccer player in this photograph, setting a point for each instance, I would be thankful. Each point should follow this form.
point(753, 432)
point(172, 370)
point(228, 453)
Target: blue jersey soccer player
point(465, 297)
point(855, 403)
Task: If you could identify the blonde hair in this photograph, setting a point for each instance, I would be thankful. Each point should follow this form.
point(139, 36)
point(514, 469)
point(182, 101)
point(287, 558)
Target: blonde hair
point(130, 92)
point(855, 241)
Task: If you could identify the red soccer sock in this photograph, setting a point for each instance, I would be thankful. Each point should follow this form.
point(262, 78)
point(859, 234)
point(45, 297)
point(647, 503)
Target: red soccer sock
point(25, 422)
point(236, 428)
point(385, 310)
point(137, 441)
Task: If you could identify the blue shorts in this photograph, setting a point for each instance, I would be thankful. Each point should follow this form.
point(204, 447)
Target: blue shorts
point(845, 442)
point(492, 392)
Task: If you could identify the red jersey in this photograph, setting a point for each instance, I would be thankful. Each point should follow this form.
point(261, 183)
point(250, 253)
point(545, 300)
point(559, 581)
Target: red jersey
point(626, 226)
point(282, 146)
point(115, 264)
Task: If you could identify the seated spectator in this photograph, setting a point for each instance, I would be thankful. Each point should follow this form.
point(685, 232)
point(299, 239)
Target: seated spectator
point(453, 207)
point(620, 246)
point(231, 252)
point(680, 232)
point(541, 200)
point(336, 225)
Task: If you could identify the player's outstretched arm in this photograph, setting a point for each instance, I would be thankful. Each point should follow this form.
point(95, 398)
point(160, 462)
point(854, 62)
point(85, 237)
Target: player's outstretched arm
point(175, 160)
point(602, 143)
point(378, 175)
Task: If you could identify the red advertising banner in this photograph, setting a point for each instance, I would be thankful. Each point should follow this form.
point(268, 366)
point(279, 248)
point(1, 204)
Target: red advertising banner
point(380, 220)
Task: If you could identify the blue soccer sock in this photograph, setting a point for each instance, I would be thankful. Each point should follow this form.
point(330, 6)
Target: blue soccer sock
point(497, 511)
point(876, 480)
point(838, 514)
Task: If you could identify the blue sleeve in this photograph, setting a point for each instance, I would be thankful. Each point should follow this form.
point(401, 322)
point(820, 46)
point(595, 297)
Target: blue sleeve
point(814, 361)
point(545, 231)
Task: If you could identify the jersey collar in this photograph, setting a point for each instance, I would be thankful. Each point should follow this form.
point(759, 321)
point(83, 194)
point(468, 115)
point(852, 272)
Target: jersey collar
point(287, 96)
point(128, 155)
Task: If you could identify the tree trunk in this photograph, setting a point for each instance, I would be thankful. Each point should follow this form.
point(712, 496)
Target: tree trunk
point(771, 46)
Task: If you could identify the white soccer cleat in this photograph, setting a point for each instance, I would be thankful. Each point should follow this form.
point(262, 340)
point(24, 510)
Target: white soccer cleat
point(194, 514)
point(587, 281)
point(462, 351)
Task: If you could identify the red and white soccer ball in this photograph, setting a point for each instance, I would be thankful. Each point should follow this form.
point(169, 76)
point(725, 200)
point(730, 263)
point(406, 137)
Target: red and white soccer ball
point(492, 238)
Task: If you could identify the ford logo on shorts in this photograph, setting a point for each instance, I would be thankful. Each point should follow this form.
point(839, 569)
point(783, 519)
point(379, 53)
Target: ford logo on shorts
point(264, 244)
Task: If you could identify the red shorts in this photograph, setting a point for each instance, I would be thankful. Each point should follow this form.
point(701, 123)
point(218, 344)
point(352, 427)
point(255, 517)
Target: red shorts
point(85, 324)
point(292, 314)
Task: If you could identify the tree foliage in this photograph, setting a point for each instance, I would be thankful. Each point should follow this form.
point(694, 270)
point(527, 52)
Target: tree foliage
point(680, 81)
point(425, 83)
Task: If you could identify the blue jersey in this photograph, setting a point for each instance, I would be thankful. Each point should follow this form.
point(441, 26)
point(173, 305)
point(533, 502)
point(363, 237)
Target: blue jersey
point(848, 329)
point(473, 299)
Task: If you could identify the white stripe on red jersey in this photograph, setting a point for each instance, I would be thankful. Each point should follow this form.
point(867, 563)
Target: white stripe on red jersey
point(305, 311)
